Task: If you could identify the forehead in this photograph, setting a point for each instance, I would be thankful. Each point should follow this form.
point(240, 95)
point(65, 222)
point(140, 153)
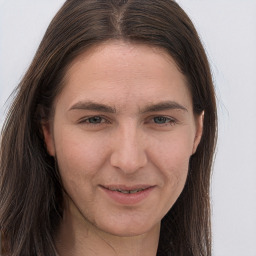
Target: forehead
point(124, 72)
point(110, 55)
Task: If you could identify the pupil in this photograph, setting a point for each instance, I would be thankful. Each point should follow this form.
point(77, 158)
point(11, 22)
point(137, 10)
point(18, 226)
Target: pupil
point(95, 119)
point(160, 120)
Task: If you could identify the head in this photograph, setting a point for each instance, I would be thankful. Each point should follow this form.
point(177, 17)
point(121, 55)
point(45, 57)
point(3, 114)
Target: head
point(80, 31)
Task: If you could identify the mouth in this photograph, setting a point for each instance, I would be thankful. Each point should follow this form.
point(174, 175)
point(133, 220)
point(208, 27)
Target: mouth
point(127, 190)
point(128, 195)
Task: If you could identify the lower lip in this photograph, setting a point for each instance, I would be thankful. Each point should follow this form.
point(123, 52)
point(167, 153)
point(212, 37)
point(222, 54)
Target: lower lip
point(128, 199)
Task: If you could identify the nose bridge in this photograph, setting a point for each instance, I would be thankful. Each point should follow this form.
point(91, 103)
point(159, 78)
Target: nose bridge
point(129, 153)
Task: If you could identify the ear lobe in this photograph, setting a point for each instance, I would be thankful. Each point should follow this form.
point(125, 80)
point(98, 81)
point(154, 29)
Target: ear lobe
point(48, 138)
point(199, 131)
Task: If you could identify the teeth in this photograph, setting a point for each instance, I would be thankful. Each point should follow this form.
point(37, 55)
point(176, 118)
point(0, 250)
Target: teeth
point(124, 191)
point(127, 191)
point(135, 191)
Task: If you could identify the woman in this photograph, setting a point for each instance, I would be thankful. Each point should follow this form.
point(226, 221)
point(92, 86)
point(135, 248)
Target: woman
point(108, 146)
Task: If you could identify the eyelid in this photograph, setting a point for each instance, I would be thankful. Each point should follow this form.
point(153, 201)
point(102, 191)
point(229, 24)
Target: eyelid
point(172, 120)
point(84, 120)
point(149, 120)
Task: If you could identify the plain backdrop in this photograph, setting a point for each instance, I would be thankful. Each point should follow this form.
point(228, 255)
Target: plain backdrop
point(228, 31)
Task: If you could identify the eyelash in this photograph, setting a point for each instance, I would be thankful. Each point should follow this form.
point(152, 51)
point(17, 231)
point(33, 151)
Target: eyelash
point(87, 120)
point(167, 121)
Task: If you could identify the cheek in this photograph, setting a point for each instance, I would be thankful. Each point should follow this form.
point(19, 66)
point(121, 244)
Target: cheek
point(79, 160)
point(173, 151)
point(172, 159)
point(174, 170)
point(79, 156)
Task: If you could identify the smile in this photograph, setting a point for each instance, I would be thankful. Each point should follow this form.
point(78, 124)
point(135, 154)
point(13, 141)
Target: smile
point(128, 195)
point(128, 191)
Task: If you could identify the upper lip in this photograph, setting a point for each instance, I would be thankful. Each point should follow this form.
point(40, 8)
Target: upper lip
point(127, 188)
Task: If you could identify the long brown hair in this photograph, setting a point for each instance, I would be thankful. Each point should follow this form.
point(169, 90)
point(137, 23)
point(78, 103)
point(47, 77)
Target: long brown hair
point(30, 186)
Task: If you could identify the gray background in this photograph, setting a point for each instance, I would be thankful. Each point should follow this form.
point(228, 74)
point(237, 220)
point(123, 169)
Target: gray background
point(228, 31)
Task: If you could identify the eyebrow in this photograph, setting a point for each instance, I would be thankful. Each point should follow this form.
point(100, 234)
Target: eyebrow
point(166, 105)
point(93, 106)
point(88, 105)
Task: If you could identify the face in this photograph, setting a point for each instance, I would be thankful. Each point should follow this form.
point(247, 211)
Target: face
point(123, 132)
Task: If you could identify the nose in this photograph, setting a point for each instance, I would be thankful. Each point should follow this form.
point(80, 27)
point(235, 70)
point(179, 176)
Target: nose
point(129, 152)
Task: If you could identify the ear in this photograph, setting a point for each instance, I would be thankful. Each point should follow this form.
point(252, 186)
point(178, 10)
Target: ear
point(199, 119)
point(48, 138)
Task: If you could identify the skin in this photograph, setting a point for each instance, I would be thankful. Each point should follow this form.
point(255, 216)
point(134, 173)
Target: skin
point(144, 134)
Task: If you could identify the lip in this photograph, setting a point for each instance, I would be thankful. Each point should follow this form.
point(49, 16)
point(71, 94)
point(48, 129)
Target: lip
point(127, 198)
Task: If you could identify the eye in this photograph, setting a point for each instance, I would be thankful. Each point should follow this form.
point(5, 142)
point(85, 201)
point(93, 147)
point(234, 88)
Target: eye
point(163, 120)
point(93, 120)
point(160, 120)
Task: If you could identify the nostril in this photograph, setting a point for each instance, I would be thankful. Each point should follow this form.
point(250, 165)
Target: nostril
point(128, 162)
point(128, 149)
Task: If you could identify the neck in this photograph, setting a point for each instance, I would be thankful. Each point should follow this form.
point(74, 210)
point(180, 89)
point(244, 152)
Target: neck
point(76, 238)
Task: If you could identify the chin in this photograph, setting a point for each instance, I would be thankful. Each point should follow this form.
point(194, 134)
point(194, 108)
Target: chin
point(129, 229)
